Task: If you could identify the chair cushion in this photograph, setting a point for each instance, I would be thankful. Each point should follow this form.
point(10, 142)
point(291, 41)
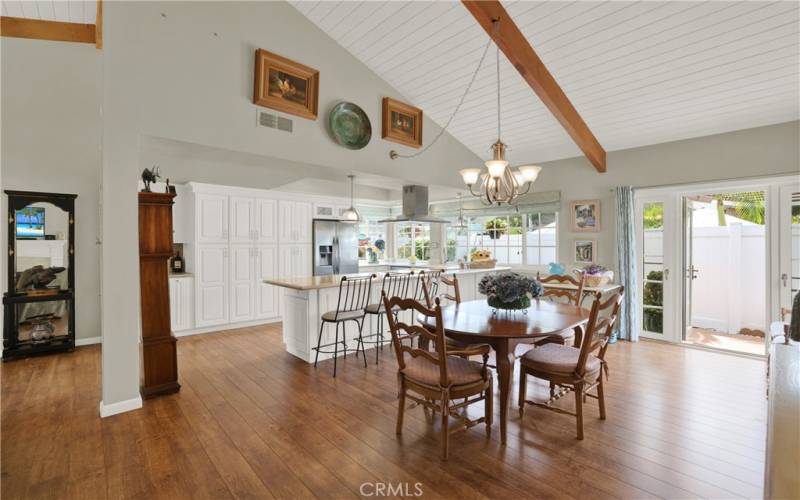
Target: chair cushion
point(558, 359)
point(564, 338)
point(343, 316)
point(378, 308)
point(460, 371)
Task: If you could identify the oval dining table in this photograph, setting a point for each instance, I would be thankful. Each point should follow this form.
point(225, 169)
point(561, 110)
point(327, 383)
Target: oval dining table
point(476, 322)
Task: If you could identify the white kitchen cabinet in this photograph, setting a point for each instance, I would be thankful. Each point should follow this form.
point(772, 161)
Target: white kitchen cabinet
point(211, 286)
point(266, 221)
point(266, 296)
point(242, 282)
point(328, 210)
point(183, 215)
point(212, 218)
point(242, 223)
point(294, 222)
point(181, 302)
point(295, 261)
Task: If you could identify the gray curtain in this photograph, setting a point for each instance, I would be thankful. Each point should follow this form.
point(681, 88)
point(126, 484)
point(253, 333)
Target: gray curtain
point(626, 262)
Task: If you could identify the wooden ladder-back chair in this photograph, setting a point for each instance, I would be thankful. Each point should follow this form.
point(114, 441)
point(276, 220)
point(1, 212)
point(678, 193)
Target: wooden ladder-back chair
point(394, 285)
point(440, 376)
point(575, 369)
point(566, 289)
point(438, 285)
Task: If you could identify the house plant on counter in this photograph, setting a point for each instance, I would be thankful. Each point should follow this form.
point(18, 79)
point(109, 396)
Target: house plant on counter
point(509, 291)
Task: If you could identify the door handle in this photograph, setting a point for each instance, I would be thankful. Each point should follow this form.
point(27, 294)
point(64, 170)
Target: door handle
point(666, 274)
point(785, 279)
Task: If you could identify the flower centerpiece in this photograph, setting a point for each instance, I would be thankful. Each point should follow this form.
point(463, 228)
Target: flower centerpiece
point(596, 275)
point(509, 290)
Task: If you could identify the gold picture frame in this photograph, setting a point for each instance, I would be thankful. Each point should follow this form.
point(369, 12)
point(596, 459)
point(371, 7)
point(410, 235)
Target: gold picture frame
point(285, 85)
point(402, 123)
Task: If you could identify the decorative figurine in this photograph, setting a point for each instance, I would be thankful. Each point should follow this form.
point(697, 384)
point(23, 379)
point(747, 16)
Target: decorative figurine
point(37, 277)
point(170, 189)
point(556, 269)
point(150, 176)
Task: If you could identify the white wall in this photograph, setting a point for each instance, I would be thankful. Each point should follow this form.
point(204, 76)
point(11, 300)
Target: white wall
point(763, 151)
point(51, 129)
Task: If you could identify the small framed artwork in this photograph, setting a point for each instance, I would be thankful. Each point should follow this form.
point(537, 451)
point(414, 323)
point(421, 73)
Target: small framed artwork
point(585, 251)
point(285, 85)
point(402, 123)
point(586, 216)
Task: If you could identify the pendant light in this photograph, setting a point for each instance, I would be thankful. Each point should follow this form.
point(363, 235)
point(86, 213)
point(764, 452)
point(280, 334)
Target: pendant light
point(460, 223)
point(351, 215)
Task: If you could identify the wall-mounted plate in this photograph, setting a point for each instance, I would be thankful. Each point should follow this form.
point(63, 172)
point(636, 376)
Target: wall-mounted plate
point(350, 126)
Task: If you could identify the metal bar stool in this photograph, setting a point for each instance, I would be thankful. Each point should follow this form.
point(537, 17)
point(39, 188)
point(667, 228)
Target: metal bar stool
point(394, 285)
point(350, 306)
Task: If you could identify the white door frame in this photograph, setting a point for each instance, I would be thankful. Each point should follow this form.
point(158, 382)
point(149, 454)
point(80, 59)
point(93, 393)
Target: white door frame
point(783, 295)
point(674, 235)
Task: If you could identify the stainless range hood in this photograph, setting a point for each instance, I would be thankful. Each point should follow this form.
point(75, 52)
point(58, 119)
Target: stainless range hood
point(415, 207)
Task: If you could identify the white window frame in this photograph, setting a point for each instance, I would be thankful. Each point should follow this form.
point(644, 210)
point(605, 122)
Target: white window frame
point(386, 229)
point(396, 231)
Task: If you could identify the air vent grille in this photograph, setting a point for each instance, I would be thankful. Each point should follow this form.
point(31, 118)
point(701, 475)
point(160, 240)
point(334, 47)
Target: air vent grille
point(274, 121)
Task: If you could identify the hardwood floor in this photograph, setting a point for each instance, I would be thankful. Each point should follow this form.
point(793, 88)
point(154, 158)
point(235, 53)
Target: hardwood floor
point(253, 422)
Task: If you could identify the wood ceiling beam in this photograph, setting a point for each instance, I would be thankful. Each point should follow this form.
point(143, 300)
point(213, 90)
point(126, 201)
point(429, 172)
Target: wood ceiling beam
point(518, 50)
point(18, 27)
point(98, 26)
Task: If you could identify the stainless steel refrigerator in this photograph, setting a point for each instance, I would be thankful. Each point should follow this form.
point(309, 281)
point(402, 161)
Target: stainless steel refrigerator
point(335, 247)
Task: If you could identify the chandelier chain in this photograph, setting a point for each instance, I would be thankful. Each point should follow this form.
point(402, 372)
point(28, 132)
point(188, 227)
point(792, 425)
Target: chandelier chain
point(455, 111)
point(498, 94)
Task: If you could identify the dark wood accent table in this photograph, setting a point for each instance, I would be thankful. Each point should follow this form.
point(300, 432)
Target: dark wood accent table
point(475, 322)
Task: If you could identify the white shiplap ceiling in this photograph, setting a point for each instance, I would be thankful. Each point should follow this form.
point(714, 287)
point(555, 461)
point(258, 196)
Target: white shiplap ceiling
point(68, 11)
point(639, 73)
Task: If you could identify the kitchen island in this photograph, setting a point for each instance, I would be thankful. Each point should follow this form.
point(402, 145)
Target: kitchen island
point(304, 300)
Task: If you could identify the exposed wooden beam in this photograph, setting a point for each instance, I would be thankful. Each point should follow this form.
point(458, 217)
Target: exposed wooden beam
point(47, 30)
point(517, 49)
point(98, 26)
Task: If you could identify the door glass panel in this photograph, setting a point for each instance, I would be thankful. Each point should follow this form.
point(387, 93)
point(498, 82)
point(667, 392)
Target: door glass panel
point(795, 255)
point(653, 266)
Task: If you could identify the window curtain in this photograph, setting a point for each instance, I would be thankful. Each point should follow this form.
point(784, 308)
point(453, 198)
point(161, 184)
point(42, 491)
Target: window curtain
point(626, 262)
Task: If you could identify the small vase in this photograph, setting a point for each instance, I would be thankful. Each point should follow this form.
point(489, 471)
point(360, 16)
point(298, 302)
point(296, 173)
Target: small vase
point(523, 302)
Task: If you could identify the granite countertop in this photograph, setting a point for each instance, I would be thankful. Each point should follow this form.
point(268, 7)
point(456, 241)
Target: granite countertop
point(331, 281)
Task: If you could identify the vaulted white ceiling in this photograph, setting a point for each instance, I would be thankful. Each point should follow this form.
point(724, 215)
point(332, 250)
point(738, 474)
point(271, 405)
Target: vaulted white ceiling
point(68, 11)
point(639, 73)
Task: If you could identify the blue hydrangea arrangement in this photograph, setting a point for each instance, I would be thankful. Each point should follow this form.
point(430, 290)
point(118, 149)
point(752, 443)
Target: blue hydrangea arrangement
point(509, 290)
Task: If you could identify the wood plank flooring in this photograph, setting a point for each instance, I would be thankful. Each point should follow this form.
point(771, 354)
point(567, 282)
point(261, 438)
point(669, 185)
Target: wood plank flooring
point(254, 422)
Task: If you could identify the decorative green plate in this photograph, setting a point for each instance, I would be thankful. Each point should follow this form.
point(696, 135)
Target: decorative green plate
point(350, 126)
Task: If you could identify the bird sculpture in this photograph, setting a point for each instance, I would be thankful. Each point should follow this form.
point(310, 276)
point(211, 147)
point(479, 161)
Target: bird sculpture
point(37, 277)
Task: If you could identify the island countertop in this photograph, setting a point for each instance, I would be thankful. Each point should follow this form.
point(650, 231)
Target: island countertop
point(331, 281)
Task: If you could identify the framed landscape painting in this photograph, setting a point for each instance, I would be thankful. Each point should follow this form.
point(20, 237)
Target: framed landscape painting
point(285, 85)
point(402, 123)
point(586, 216)
point(585, 252)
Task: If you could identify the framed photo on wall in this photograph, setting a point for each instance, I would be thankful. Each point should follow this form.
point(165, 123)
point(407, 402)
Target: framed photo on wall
point(585, 251)
point(586, 216)
point(285, 85)
point(402, 123)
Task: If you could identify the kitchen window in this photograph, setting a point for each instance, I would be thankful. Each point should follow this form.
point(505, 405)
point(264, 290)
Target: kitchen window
point(519, 239)
point(371, 241)
point(413, 239)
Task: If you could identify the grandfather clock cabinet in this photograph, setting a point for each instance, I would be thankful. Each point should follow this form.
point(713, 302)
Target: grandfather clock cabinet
point(159, 354)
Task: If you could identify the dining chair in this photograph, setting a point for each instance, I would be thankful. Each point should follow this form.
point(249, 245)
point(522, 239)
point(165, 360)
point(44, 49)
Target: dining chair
point(354, 294)
point(393, 285)
point(438, 377)
point(558, 293)
point(438, 285)
point(575, 369)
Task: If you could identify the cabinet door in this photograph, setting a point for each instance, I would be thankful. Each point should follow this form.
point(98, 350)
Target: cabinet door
point(301, 263)
point(302, 222)
point(186, 304)
point(266, 295)
point(212, 213)
point(285, 259)
point(266, 228)
point(212, 285)
point(286, 230)
point(242, 224)
point(241, 282)
point(174, 303)
point(183, 215)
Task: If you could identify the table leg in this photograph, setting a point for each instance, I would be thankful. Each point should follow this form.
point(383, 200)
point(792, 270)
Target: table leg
point(505, 372)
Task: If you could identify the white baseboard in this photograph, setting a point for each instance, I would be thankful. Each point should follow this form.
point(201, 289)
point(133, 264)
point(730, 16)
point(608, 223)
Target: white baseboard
point(121, 407)
point(88, 341)
point(229, 326)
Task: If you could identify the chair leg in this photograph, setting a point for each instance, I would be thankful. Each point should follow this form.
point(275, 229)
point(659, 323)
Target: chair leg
point(335, 350)
point(523, 383)
point(380, 338)
point(445, 426)
point(601, 398)
point(344, 338)
point(319, 341)
point(401, 407)
point(361, 340)
point(489, 407)
point(579, 409)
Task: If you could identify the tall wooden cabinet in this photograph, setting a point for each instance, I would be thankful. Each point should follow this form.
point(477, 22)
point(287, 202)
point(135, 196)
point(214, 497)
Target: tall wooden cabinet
point(159, 353)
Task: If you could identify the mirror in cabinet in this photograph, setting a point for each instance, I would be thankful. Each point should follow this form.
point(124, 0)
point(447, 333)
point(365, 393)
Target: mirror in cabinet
point(40, 300)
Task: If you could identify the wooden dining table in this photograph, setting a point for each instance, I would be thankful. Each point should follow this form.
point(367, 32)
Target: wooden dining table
point(476, 322)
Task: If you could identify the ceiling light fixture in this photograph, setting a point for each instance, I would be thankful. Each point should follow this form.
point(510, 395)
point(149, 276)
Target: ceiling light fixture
point(461, 222)
point(351, 215)
point(500, 183)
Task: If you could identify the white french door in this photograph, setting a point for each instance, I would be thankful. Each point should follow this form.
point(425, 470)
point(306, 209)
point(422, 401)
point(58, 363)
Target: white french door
point(788, 282)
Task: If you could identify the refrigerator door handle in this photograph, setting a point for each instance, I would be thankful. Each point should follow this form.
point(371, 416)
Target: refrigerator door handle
point(335, 255)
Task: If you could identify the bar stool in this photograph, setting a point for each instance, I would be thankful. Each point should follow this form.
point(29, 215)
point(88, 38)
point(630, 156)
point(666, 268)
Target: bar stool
point(350, 306)
point(394, 285)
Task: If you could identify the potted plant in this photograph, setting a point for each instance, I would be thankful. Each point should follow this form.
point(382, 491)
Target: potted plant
point(596, 275)
point(509, 290)
point(496, 228)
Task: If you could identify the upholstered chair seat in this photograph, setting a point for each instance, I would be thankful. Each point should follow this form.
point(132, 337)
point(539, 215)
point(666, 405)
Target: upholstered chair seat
point(460, 371)
point(560, 359)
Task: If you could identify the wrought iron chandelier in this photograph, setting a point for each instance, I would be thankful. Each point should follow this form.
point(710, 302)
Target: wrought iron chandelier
point(500, 183)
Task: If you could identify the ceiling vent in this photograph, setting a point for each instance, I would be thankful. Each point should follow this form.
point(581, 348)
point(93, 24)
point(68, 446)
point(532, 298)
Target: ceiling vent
point(274, 121)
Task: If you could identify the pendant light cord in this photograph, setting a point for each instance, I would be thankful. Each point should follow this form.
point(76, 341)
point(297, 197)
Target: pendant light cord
point(394, 154)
